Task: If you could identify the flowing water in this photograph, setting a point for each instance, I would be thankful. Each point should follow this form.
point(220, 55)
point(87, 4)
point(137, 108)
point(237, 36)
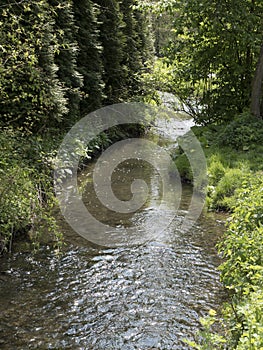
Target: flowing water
point(147, 296)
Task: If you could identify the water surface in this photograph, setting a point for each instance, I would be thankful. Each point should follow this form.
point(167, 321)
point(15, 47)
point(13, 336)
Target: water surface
point(147, 296)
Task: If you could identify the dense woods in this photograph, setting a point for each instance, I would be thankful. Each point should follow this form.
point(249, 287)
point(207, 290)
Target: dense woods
point(60, 60)
point(214, 49)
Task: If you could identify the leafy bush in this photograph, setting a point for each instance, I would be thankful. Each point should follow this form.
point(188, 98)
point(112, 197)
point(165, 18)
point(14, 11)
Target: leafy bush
point(242, 274)
point(221, 196)
point(250, 312)
point(243, 133)
point(243, 243)
point(242, 271)
point(206, 339)
point(26, 190)
point(159, 78)
point(216, 170)
point(234, 156)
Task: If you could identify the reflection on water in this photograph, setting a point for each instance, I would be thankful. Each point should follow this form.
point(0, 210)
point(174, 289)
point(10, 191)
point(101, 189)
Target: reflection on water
point(126, 298)
point(147, 296)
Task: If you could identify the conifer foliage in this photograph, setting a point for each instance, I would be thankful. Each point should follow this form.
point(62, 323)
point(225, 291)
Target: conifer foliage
point(89, 58)
point(137, 48)
point(60, 60)
point(66, 57)
point(30, 91)
point(113, 44)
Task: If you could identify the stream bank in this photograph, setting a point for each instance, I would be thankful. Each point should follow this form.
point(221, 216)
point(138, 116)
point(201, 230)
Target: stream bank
point(149, 296)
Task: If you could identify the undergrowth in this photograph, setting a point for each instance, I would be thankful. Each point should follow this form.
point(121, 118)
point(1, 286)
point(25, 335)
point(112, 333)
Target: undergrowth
point(26, 189)
point(235, 174)
point(232, 156)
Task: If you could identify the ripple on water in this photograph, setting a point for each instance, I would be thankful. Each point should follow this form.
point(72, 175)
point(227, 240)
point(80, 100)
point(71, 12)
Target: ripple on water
point(143, 297)
point(147, 297)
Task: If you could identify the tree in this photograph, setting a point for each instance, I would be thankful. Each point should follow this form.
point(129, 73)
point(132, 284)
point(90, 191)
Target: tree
point(257, 95)
point(113, 43)
point(138, 49)
point(65, 58)
point(214, 54)
point(89, 60)
point(132, 59)
point(145, 32)
point(32, 96)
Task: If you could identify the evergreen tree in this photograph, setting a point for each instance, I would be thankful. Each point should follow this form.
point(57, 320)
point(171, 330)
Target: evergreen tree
point(145, 32)
point(132, 55)
point(138, 50)
point(113, 41)
point(89, 59)
point(32, 96)
point(65, 58)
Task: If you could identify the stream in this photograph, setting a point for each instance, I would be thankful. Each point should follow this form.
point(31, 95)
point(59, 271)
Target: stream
point(148, 296)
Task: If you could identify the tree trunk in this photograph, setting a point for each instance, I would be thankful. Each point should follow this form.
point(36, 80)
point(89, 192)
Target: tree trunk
point(256, 94)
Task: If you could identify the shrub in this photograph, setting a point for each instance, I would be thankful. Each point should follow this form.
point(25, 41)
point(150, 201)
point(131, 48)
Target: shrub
point(216, 170)
point(242, 271)
point(243, 243)
point(221, 196)
point(242, 133)
point(26, 189)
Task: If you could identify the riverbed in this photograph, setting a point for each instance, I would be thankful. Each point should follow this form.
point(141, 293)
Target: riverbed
point(145, 296)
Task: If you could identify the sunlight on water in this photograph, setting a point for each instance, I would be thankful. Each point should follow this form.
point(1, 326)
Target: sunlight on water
point(147, 296)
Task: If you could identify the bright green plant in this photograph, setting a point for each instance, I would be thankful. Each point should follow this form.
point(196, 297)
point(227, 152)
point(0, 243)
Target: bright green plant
point(26, 192)
point(216, 170)
point(221, 195)
point(243, 133)
point(250, 312)
point(243, 244)
point(206, 338)
point(242, 271)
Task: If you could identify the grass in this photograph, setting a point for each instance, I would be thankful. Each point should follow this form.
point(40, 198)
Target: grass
point(235, 184)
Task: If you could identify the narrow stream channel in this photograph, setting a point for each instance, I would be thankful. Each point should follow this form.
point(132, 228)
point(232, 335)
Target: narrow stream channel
point(149, 296)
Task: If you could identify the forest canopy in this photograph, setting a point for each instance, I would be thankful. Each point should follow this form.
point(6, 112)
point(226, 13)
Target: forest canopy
point(62, 59)
point(216, 51)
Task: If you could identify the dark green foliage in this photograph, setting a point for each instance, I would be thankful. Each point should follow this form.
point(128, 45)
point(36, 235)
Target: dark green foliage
point(89, 60)
point(184, 168)
point(145, 45)
point(26, 188)
point(131, 55)
point(57, 63)
point(138, 50)
point(65, 58)
point(243, 133)
point(31, 93)
point(54, 54)
point(113, 44)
